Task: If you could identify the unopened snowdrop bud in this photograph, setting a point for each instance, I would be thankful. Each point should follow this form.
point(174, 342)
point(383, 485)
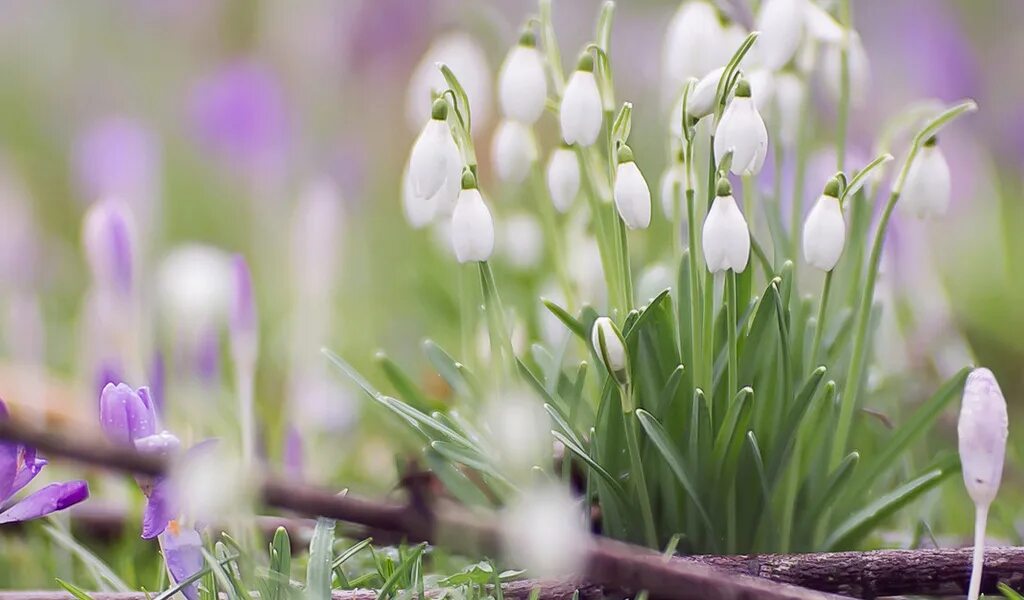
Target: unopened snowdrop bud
point(472, 227)
point(982, 433)
point(522, 83)
point(742, 131)
point(431, 152)
point(825, 230)
point(632, 196)
point(699, 39)
point(513, 150)
point(781, 23)
point(611, 349)
point(109, 238)
point(726, 237)
point(926, 189)
point(563, 178)
point(580, 114)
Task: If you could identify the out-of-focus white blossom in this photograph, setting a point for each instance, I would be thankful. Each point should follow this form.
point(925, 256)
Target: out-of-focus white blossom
point(781, 23)
point(631, 193)
point(513, 151)
point(581, 114)
point(210, 484)
point(790, 93)
point(699, 104)
point(563, 174)
point(522, 82)
point(521, 241)
point(195, 287)
point(654, 279)
point(762, 88)
point(472, 229)
point(742, 131)
point(430, 162)
point(672, 190)
point(699, 39)
point(520, 432)
point(927, 187)
point(544, 531)
point(726, 236)
point(464, 56)
point(859, 69)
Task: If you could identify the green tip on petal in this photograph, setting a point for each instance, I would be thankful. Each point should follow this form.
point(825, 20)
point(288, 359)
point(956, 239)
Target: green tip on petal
point(468, 179)
point(625, 154)
point(832, 187)
point(932, 141)
point(724, 187)
point(528, 38)
point(743, 88)
point(585, 63)
point(439, 111)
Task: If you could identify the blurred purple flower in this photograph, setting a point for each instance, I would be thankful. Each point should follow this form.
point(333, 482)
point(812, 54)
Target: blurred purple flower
point(239, 113)
point(384, 33)
point(293, 457)
point(109, 238)
point(183, 554)
point(127, 415)
point(19, 465)
point(118, 157)
point(243, 319)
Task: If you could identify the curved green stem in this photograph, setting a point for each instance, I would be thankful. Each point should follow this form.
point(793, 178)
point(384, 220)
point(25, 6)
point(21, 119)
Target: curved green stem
point(819, 328)
point(733, 360)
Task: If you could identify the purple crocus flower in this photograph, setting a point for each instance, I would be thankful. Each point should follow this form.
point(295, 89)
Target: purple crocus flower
point(109, 239)
point(127, 415)
point(242, 317)
point(19, 465)
point(239, 113)
point(117, 157)
point(183, 554)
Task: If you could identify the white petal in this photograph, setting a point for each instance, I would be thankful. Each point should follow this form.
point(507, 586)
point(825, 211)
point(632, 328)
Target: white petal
point(522, 241)
point(580, 113)
point(468, 61)
point(781, 24)
point(824, 234)
point(418, 211)
point(927, 188)
point(671, 176)
point(472, 228)
point(742, 131)
point(522, 84)
point(513, 151)
point(689, 50)
point(981, 433)
point(821, 25)
point(632, 196)
point(789, 101)
point(726, 238)
point(428, 158)
point(563, 178)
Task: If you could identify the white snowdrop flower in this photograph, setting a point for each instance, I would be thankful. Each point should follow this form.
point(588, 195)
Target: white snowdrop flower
point(789, 102)
point(859, 68)
point(522, 82)
point(762, 88)
point(672, 190)
point(419, 212)
point(513, 151)
point(472, 230)
point(742, 131)
point(654, 280)
point(726, 237)
point(610, 348)
point(432, 152)
point(781, 23)
point(210, 484)
point(544, 532)
point(521, 241)
point(825, 230)
point(632, 196)
point(580, 114)
point(982, 433)
point(696, 42)
point(520, 431)
point(563, 178)
point(926, 189)
point(820, 24)
point(700, 104)
point(195, 287)
point(468, 61)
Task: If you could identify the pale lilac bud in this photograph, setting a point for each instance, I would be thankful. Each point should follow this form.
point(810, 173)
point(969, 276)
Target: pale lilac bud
point(243, 321)
point(108, 235)
point(982, 432)
point(127, 415)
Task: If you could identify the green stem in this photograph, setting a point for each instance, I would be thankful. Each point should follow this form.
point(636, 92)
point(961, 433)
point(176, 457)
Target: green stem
point(733, 366)
point(553, 234)
point(604, 242)
point(857, 358)
point(501, 343)
point(637, 470)
point(819, 328)
point(696, 330)
point(708, 327)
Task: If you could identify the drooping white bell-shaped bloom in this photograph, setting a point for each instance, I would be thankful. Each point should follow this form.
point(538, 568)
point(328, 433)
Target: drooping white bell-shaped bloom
point(981, 432)
point(580, 113)
point(522, 82)
point(671, 189)
point(419, 212)
point(513, 151)
point(820, 25)
point(521, 241)
point(742, 131)
point(699, 104)
point(563, 178)
point(696, 42)
point(789, 103)
point(429, 161)
point(726, 237)
point(859, 69)
point(781, 23)
point(472, 226)
point(632, 195)
point(464, 56)
point(926, 189)
point(610, 348)
point(825, 230)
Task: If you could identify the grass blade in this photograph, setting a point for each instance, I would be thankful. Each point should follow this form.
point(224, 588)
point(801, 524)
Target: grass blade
point(321, 557)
